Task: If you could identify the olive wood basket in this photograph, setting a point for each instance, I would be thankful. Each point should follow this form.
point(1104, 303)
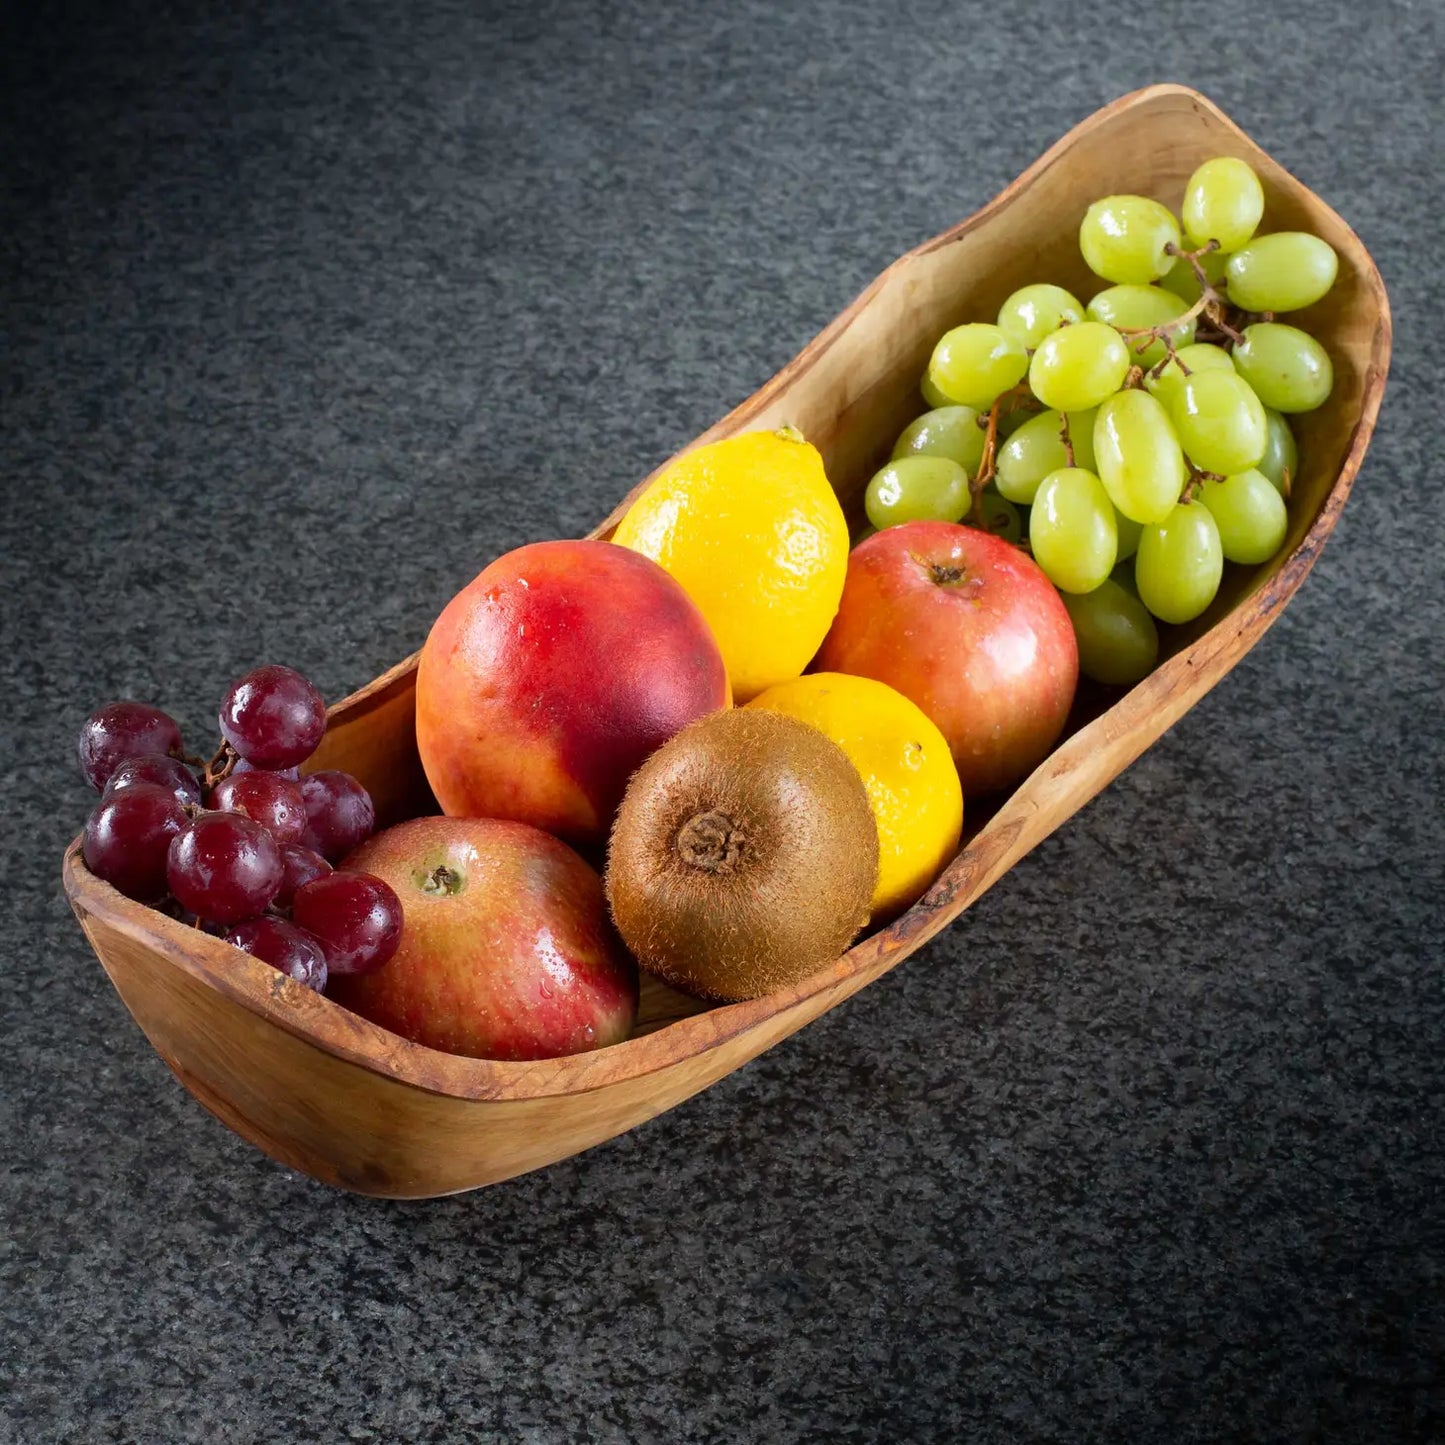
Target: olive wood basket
point(326, 1092)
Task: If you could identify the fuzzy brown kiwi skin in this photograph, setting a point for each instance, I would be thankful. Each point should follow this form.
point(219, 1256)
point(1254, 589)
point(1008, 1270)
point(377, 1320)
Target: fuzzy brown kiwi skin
point(744, 856)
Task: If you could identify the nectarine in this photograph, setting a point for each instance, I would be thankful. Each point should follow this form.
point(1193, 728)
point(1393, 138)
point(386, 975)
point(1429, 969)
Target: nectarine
point(548, 680)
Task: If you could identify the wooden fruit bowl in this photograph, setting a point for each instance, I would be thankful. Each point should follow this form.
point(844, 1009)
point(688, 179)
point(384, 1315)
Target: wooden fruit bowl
point(326, 1092)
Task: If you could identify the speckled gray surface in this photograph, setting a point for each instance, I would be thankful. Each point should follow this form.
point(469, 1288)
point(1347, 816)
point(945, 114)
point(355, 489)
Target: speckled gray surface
point(312, 310)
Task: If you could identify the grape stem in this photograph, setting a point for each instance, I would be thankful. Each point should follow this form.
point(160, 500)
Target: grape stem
point(1197, 478)
point(987, 468)
point(221, 765)
point(1064, 437)
point(1211, 305)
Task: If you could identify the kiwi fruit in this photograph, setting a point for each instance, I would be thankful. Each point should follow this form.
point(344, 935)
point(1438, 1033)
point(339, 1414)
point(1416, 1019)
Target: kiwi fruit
point(744, 856)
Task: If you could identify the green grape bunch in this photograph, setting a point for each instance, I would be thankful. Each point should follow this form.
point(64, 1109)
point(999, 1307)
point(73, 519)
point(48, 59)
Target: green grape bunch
point(1139, 442)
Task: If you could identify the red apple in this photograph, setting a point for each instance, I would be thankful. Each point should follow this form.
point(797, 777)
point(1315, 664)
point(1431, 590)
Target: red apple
point(547, 681)
point(966, 625)
point(507, 951)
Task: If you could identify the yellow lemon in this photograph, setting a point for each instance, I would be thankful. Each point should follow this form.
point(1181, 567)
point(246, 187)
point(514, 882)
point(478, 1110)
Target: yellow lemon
point(905, 765)
point(753, 532)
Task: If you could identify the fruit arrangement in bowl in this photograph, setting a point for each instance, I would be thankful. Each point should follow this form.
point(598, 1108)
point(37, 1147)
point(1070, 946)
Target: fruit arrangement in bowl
point(647, 802)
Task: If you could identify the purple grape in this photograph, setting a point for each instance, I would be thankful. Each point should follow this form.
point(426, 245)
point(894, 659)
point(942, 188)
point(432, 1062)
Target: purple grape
point(266, 798)
point(163, 772)
point(301, 865)
point(128, 838)
point(122, 730)
point(292, 775)
point(339, 814)
point(284, 947)
point(224, 867)
point(355, 918)
point(273, 717)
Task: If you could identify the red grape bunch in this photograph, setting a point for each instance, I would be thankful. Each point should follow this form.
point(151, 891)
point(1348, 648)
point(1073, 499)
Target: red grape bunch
point(250, 849)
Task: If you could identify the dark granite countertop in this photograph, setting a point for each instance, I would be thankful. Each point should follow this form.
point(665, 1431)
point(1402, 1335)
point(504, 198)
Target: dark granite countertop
point(311, 310)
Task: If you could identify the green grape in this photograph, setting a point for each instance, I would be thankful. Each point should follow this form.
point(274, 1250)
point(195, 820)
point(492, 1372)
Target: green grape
point(1118, 641)
point(1223, 202)
point(1128, 532)
point(1000, 517)
point(1031, 313)
point(972, 365)
point(1071, 530)
point(1179, 563)
point(1123, 576)
point(1219, 421)
point(1250, 515)
point(1181, 280)
point(1081, 438)
point(1288, 369)
point(1281, 454)
point(947, 431)
point(1076, 367)
point(931, 393)
point(1132, 308)
point(1127, 239)
point(1282, 272)
point(1139, 459)
point(1037, 448)
point(1010, 419)
point(1201, 356)
point(917, 489)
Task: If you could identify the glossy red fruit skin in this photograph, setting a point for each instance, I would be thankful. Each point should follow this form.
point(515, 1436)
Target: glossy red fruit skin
point(340, 815)
point(168, 773)
point(300, 865)
point(122, 730)
point(128, 837)
point(224, 868)
point(266, 798)
point(292, 775)
point(355, 917)
point(547, 681)
point(508, 950)
point(273, 717)
point(967, 626)
point(284, 947)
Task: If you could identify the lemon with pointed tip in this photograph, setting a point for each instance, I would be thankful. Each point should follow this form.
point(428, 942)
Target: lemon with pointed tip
point(907, 771)
point(751, 529)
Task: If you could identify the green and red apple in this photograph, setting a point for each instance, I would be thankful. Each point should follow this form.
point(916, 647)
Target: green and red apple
point(967, 626)
point(507, 950)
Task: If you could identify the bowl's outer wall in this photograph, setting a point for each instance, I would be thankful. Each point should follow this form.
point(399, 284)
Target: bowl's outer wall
point(328, 1093)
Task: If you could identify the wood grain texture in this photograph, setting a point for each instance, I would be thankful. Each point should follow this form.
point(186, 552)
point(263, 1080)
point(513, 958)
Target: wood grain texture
point(326, 1092)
